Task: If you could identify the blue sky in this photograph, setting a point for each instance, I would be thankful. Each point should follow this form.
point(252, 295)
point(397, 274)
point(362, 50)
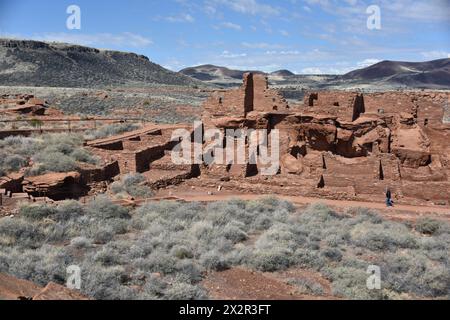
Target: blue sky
point(305, 36)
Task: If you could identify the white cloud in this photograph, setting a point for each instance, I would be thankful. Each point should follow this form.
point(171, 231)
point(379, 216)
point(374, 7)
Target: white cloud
point(312, 70)
point(184, 17)
point(228, 55)
point(431, 10)
point(210, 10)
point(97, 39)
point(284, 33)
point(352, 2)
point(252, 7)
point(230, 25)
point(174, 65)
point(331, 69)
point(284, 53)
point(436, 54)
point(262, 67)
point(269, 60)
point(261, 45)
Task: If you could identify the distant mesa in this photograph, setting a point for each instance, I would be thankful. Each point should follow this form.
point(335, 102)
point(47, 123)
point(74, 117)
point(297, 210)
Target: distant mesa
point(212, 73)
point(222, 75)
point(282, 73)
point(35, 63)
point(432, 75)
point(414, 74)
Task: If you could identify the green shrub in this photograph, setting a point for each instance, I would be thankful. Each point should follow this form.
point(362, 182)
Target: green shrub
point(413, 272)
point(110, 130)
point(13, 162)
point(20, 233)
point(40, 265)
point(81, 243)
point(153, 289)
point(385, 236)
point(107, 257)
point(103, 208)
point(106, 283)
point(50, 153)
point(234, 231)
point(182, 252)
point(184, 291)
point(269, 260)
point(307, 286)
point(427, 226)
point(36, 212)
point(132, 184)
point(351, 283)
point(70, 209)
point(332, 254)
point(214, 260)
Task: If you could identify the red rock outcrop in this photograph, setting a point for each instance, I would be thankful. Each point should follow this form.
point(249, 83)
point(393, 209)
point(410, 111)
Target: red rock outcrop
point(57, 186)
point(12, 288)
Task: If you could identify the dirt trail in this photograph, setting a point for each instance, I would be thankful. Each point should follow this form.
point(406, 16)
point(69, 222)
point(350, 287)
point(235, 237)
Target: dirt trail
point(243, 284)
point(400, 212)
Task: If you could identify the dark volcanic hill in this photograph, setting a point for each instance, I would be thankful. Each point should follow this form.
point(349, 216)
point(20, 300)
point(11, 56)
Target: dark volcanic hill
point(209, 72)
point(282, 73)
point(34, 63)
point(434, 73)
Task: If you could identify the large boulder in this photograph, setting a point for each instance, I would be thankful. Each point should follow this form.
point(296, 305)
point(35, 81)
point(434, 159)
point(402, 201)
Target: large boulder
point(12, 288)
point(291, 165)
point(55, 291)
point(229, 122)
point(412, 147)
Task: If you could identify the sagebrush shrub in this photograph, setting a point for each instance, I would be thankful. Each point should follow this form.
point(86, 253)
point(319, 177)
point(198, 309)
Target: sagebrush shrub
point(307, 286)
point(110, 130)
point(81, 243)
point(184, 291)
point(133, 185)
point(102, 207)
point(271, 259)
point(37, 211)
point(49, 153)
point(427, 226)
point(20, 233)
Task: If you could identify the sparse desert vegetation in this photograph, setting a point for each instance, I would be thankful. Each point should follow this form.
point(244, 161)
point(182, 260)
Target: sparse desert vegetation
point(45, 153)
point(133, 185)
point(56, 152)
point(156, 103)
point(162, 250)
point(110, 130)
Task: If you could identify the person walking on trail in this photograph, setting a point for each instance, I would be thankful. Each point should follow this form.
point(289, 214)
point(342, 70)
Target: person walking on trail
point(389, 202)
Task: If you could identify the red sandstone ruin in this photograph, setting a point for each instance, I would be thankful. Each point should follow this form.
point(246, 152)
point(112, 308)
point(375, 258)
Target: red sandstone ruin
point(334, 144)
point(345, 145)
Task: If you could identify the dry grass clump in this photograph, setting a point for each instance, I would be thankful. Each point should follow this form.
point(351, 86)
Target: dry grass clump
point(49, 153)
